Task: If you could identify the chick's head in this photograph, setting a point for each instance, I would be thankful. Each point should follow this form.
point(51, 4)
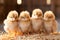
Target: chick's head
point(49, 15)
point(37, 13)
point(24, 15)
point(12, 15)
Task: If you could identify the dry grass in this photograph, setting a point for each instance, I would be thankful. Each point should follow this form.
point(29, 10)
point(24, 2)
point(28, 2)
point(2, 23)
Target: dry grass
point(5, 36)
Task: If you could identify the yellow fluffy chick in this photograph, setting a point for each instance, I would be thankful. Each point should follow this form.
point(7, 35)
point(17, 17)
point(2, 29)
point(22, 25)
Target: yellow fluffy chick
point(37, 20)
point(50, 23)
point(11, 23)
point(24, 22)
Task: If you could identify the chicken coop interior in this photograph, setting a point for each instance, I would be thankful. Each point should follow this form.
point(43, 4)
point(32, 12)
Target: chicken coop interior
point(29, 5)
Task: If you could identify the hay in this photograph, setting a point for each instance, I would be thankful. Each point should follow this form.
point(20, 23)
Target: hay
point(5, 36)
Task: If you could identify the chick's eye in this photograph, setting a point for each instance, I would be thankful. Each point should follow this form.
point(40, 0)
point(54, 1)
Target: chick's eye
point(34, 14)
point(22, 17)
point(11, 17)
point(27, 17)
point(39, 14)
point(50, 16)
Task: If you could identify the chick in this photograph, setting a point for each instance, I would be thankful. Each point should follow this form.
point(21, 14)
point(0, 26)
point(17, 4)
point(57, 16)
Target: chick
point(50, 23)
point(24, 22)
point(11, 23)
point(37, 20)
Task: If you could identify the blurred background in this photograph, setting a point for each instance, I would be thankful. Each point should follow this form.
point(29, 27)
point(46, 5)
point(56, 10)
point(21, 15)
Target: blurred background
point(20, 5)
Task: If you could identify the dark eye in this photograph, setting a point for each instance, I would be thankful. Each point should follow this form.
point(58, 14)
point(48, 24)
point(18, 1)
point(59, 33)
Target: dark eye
point(39, 14)
point(27, 16)
point(50, 17)
point(22, 17)
point(34, 14)
point(11, 17)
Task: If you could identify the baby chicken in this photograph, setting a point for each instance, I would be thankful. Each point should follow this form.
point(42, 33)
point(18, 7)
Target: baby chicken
point(11, 23)
point(24, 22)
point(50, 23)
point(37, 20)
